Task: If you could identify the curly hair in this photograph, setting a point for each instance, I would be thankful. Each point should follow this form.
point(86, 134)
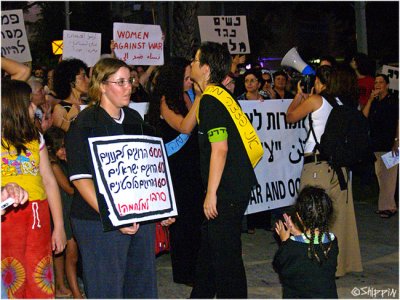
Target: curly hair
point(65, 75)
point(315, 210)
point(17, 127)
point(169, 83)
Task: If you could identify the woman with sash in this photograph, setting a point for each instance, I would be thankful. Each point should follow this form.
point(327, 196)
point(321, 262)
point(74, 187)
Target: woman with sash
point(174, 116)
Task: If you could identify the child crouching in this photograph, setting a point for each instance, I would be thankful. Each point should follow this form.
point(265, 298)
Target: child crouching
point(307, 257)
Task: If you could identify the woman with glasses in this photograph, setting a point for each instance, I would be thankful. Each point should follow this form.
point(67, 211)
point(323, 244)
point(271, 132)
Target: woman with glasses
point(253, 82)
point(119, 263)
point(71, 82)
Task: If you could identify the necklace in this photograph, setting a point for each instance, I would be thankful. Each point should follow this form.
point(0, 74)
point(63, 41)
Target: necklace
point(118, 117)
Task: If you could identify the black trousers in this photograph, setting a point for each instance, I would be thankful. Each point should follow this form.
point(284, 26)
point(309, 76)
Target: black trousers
point(220, 270)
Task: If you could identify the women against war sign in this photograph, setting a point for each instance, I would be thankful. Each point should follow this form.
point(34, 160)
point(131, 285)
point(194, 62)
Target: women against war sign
point(139, 44)
point(132, 174)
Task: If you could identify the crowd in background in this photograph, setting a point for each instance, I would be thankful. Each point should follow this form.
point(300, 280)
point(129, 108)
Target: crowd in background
point(52, 97)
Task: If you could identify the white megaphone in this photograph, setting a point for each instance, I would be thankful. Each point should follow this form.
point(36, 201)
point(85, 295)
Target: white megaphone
point(292, 59)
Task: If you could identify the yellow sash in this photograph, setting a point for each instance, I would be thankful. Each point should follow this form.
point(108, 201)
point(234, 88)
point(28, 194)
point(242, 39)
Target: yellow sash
point(247, 133)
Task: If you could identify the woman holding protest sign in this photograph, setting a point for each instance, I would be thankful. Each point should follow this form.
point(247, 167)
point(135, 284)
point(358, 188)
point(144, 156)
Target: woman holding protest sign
point(338, 84)
point(175, 122)
point(119, 263)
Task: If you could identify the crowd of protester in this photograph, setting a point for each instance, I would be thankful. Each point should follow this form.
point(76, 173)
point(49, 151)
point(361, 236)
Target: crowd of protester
point(47, 168)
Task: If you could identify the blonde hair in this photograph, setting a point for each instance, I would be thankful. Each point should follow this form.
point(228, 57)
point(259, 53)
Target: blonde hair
point(102, 70)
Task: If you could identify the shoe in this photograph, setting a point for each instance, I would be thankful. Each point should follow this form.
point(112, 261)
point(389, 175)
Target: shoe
point(378, 212)
point(386, 214)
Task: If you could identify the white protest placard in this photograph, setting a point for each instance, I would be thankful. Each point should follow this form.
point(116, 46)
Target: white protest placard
point(278, 172)
point(85, 46)
point(393, 74)
point(139, 44)
point(14, 41)
point(228, 30)
point(390, 160)
point(132, 174)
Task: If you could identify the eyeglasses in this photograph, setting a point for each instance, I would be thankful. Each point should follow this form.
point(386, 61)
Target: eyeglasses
point(122, 82)
point(250, 80)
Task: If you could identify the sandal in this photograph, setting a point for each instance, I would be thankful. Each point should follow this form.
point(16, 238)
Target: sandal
point(386, 214)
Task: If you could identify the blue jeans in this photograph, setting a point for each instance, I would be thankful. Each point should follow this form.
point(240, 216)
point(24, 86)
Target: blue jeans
point(116, 265)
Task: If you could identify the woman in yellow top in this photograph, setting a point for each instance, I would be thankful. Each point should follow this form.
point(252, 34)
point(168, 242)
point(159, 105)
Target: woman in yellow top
point(27, 241)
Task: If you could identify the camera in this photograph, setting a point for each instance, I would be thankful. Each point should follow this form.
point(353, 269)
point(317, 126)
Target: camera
point(307, 83)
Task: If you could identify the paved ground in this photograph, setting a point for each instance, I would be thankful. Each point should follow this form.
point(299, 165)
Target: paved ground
point(379, 240)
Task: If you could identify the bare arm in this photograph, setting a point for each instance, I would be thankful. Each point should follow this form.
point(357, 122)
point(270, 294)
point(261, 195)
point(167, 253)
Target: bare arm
point(366, 109)
point(17, 70)
point(219, 151)
point(178, 122)
point(62, 118)
point(301, 107)
point(62, 180)
point(236, 61)
point(145, 76)
point(58, 239)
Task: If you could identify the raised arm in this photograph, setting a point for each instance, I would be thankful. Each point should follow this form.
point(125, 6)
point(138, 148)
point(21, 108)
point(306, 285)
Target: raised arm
point(17, 70)
point(178, 122)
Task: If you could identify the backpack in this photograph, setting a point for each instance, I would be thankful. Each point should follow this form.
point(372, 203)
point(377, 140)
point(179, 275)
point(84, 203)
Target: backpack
point(346, 140)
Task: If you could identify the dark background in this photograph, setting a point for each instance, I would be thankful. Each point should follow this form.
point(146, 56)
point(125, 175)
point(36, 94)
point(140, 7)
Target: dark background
point(316, 28)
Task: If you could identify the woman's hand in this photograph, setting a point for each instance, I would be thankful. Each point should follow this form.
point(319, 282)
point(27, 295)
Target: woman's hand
point(210, 206)
point(58, 240)
point(197, 88)
point(130, 229)
point(271, 93)
point(168, 221)
point(395, 148)
point(13, 190)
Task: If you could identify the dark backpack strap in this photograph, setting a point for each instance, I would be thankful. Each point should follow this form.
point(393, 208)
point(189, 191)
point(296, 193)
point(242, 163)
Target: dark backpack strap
point(310, 121)
point(342, 181)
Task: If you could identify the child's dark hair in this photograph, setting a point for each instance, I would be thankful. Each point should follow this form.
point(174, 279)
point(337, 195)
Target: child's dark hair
point(315, 210)
point(54, 138)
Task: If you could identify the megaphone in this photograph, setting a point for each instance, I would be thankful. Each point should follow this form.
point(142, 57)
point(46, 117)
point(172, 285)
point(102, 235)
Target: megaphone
point(292, 59)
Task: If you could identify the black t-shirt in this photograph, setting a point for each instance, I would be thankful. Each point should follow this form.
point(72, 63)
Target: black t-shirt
point(303, 278)
point(94, 121)
point(238, 176)
point(383, 119)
